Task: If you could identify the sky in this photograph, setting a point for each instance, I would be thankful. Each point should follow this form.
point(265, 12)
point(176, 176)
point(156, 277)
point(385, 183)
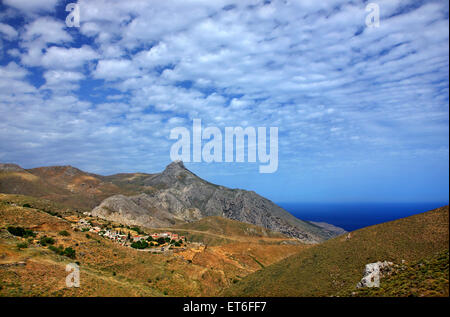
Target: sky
point(362, 112)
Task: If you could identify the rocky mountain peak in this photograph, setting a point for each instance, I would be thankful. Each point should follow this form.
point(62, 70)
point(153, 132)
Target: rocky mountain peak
point(175, 166)
point(8, 167)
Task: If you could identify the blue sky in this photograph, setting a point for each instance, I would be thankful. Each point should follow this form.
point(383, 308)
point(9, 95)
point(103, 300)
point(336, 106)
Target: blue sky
point(362, 112)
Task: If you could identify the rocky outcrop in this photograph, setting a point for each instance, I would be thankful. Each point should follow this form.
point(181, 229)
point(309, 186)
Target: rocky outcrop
point(373, 272)
point(181, 196)
point(334, 230)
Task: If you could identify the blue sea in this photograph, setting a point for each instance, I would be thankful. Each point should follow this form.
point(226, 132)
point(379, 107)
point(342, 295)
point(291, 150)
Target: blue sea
point(352, 216)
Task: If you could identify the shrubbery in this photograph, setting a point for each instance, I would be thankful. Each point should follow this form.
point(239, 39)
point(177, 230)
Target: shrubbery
point(69, 252)
point(64, 233)
point(46, 240)
point(22, 245)
point(138, 230)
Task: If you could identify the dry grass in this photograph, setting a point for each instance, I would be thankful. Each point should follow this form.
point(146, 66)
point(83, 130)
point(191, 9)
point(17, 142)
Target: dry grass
point(108, 269)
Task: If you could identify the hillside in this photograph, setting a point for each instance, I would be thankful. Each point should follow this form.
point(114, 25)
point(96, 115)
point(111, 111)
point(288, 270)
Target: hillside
point(110, 269)
point(216, 230)
point(336, 266)
point(62, 184)
point(165, 199)
point(229, 227)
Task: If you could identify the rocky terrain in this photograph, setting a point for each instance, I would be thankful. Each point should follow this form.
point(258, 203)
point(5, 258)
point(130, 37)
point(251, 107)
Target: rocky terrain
point(172, 197)
point(179, 195)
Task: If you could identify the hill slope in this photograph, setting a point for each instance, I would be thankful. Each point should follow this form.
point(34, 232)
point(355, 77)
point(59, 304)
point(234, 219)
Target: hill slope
point(110, 269)
point(229, 227)
point(63, 184)
point(336, 265)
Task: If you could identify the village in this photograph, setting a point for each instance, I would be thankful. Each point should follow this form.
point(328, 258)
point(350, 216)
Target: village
point(158, 242)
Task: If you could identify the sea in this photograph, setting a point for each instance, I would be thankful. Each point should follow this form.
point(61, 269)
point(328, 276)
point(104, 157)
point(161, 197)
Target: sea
point(353, 216)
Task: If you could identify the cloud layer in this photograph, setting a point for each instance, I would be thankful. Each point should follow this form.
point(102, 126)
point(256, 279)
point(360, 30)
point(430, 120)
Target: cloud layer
point(105, 96)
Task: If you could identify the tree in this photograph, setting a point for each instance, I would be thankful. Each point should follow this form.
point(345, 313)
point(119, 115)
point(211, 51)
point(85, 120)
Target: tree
point(69, 252)
point(46, 240)
point(141, 244)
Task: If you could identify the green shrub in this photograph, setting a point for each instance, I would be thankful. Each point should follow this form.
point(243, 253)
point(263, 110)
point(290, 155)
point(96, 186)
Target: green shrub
point(22, 245)
point(138, 230)
point(46, 240)
point(69, 252)
point(26, 205)
point(64, 233)
point(58, 250)
point(141, 244)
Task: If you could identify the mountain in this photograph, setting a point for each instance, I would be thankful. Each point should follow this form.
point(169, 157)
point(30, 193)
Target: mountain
point(63, 184)
point(177, 195)
point(334, 267)
point(172, 197)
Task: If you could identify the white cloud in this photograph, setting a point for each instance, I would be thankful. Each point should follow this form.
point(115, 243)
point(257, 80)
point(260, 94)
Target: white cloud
point(46, 29)
point(8, 31)
point(12, 70)
point(114, 69)
point(32, 5)
point(38, 35)
point(311, 68)
point(58, 80)
point(68, 58)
